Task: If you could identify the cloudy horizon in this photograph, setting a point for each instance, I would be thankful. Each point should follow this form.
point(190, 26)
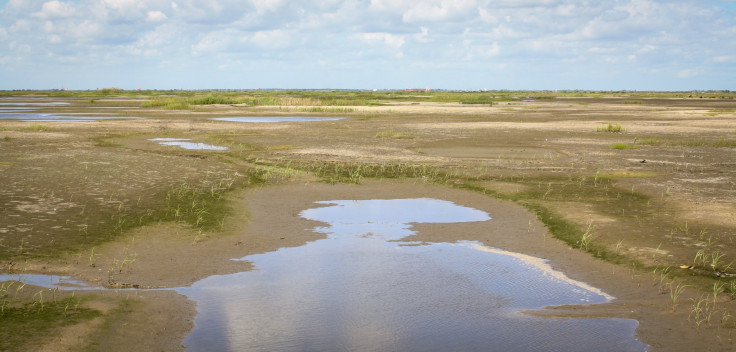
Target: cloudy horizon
point(368, 44)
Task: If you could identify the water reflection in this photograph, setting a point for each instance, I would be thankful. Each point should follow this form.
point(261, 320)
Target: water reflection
point(47, 281)
point(50, 117)
point(56, 104)
point(183, 143)
point(365, 287)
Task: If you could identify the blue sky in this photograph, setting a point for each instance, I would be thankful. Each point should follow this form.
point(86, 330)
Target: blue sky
point(367, 44)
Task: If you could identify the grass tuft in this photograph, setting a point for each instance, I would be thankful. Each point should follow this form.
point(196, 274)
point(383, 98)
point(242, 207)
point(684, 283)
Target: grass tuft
point(609, 128)
point(621, 146)
point(393, 134)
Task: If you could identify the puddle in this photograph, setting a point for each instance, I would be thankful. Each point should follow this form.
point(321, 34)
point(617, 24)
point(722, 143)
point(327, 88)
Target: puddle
point(2, 103)
point(67, 117)
point(182, 143)
point(15, 108)
point(368, 286)
point(48, 281)
point(277, 118)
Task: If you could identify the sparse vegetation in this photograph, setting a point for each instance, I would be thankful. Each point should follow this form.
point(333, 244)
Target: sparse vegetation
point(25, 325)
point(613, 128)
point(393, 134)
point(103, 183)
point(622, 146)
point(39, 128)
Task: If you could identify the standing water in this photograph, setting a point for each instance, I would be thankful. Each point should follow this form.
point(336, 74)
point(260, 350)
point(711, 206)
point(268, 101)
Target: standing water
point(368, 287)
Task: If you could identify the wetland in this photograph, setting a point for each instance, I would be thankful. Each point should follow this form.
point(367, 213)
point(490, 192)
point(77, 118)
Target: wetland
point(394, 220)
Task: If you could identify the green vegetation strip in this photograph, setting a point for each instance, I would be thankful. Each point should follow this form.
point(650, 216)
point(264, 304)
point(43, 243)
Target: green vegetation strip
point(31, 324)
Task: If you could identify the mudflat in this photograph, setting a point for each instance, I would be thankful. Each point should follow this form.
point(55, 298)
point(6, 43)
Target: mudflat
point(632, 195)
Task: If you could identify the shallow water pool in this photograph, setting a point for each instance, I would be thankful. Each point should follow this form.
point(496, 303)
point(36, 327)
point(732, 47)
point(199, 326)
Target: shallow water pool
point(66, 117)
point(367, 286)
point(185, 144)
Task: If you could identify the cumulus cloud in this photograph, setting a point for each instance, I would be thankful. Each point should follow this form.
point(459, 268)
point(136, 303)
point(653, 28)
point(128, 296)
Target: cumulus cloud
point(55, 9)
point(442, 11)
point(477, 36)
point(155, 16)
point(392, 40)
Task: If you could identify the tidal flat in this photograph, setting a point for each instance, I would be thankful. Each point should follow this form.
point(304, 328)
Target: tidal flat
point(650, 225)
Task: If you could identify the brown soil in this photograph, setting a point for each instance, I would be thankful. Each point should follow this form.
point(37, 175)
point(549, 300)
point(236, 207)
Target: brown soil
point(63, 186)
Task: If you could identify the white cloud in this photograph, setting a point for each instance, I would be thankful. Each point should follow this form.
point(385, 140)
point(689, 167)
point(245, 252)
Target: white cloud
point(688, 73)
point(391, 40)
point(654, 37)
point(55, 9)
point(720, 59)
point(444, 10)
point(423, 36)
point(155, 16)
point(524, 3)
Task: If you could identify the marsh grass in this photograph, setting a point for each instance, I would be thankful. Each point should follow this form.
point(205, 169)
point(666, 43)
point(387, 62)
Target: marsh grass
point(326, 109)
point(367, 96)
point(651, 142)
point(721, 143)
point(199, 206)
point(23, 326)
point(611, 128)
point(598, 190)
point(477, 99)
point(38, 128)
point(721, 111)
point(622, 146)
point(393, 135)
point(675, 292)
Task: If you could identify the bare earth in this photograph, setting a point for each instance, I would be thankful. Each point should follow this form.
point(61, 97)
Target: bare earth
point(58, 182)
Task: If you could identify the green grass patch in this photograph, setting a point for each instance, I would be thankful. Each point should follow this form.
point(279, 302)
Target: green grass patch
point(393, 134)
point(477, 99)
point(633, 102)
point(721, 143)
point(650, 141)
point(326, 109)
point(719, 111)
point(284, 147)
point(24, 327)
point(39, 128)
point(612, 128)
point(622, 146)
point(105, 142)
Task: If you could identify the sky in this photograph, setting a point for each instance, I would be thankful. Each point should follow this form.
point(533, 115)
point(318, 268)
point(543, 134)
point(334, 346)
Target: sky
point(368, 44)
